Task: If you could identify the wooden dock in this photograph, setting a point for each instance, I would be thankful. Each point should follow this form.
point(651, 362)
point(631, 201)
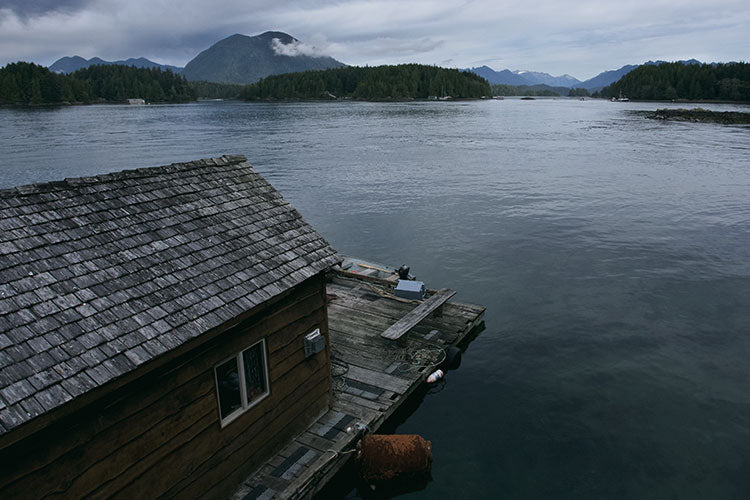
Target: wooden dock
point(372, 377)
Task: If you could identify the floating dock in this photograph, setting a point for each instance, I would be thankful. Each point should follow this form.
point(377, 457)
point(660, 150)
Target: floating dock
point(373, 375)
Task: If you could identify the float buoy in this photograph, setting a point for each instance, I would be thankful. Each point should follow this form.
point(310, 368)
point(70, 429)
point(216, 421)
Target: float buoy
point(435, 376)
point(384, 458)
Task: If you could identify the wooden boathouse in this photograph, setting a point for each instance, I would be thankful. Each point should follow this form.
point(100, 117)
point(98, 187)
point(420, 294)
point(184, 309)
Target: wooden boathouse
point(180, 331)
point(153, 328)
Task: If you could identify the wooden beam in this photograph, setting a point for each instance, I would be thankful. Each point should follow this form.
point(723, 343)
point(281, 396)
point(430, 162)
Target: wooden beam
point(400, 327)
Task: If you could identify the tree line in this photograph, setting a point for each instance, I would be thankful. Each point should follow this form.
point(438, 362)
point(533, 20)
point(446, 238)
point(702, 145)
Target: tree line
point(502, 89)
point(213, 90)
point(30, 84)
point(118, 83)
point(404, 81)
point(671, 81)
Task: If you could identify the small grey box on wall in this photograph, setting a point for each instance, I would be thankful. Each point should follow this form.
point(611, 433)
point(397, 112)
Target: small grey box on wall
point(314, 343)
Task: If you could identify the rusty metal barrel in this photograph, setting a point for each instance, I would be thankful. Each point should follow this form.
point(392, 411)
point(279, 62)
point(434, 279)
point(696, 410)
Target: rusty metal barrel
point(385, 458)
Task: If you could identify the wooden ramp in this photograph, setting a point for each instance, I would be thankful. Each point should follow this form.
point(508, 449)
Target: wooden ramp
point(372, 377)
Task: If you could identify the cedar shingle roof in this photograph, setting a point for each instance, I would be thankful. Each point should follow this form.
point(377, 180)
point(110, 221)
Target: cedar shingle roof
point(101, 274)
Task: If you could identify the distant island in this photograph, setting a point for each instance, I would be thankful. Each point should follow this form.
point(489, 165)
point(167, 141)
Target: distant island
point(675, 81)
point(28, 84)
point(405, 81)
point(699, 115)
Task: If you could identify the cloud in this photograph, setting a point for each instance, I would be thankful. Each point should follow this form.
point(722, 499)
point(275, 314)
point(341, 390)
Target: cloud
point(295, 48)
point(383, 50)
point(580, 38)
point(25, 9)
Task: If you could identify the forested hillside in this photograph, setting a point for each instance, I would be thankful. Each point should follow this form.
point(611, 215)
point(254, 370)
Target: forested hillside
point(29, 84)
point(535, 90)
point(667, 81)
point(119, 83)
point(405, 81)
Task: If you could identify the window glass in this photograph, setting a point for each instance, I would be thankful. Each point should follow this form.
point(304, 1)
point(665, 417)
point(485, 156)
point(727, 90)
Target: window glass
point(228, 381)
point(255, 372)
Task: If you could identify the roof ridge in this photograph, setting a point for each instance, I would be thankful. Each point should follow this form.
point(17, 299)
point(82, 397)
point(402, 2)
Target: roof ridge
point(68, 183)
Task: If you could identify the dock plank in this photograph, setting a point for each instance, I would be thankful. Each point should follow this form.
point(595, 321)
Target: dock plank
point(398, 329)
point(378, 379)
point(316, 442)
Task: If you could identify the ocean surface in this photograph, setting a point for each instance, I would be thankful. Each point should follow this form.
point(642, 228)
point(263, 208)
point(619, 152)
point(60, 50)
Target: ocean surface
point(612, 253)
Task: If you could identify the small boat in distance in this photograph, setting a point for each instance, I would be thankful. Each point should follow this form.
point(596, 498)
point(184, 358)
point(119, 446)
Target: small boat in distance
point(621, 98)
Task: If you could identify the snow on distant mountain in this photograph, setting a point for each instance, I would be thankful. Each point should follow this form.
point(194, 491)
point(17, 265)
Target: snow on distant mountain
point(537, 77)
point(504, 77)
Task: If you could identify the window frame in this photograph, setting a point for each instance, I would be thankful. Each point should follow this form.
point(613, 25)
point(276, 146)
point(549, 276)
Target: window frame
point(245, 404)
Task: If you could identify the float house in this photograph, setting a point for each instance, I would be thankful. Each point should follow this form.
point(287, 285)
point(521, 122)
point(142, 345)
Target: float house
point(162, 331)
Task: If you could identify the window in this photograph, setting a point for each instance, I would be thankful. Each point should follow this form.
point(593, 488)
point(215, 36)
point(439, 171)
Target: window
point(241, 381)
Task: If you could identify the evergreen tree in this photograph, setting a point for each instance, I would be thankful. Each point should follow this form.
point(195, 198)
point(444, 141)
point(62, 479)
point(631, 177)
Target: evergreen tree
point(406, 81)
point(729, 82)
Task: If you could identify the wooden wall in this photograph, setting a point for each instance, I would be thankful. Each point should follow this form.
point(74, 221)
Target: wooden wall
point(160, 436)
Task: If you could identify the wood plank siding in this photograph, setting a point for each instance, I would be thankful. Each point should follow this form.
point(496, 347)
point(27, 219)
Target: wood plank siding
point(160, 436)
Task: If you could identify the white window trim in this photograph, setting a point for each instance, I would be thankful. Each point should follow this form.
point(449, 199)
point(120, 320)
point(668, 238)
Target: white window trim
point(243, 388)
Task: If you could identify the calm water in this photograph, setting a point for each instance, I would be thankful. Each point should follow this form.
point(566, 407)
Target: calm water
point(612, 252)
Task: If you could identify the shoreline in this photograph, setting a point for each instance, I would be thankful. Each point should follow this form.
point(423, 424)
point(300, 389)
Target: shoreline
point(698, 115)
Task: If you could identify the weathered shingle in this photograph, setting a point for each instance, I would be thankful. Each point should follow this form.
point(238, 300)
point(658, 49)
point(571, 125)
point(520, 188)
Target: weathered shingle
point(101, 274)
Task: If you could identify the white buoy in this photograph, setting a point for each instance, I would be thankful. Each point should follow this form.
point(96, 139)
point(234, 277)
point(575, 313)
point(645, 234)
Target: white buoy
point(435, 376)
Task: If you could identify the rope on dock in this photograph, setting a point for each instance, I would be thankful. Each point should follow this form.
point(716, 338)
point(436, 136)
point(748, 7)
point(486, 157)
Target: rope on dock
point(339, 369)
point(418, 355)
point(415, 357)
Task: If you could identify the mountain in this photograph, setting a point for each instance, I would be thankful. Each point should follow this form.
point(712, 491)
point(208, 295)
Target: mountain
point(504, 77)
point(70, 64)
point(536, 78)
point(689, 61)
point(517, 78)
point(607, 77)
point(520, 78)
point(247, 59)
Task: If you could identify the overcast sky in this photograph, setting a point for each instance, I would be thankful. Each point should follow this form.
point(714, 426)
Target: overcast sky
point(581, 38)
